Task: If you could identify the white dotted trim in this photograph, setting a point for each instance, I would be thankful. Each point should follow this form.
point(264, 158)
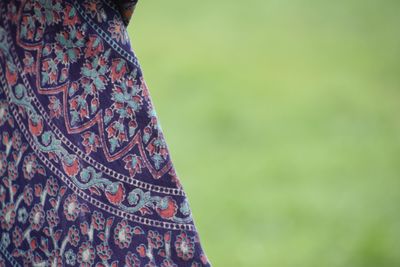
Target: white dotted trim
point(8, 256)
point(79, 192)
point(82, 155)
point(106, 37)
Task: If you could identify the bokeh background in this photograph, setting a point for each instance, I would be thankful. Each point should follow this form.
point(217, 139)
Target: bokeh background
point(282, 119)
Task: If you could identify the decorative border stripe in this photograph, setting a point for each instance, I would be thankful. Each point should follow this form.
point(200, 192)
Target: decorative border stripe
point(80, 153)
point(133, 59)
point(8, 256)
point(79, 192)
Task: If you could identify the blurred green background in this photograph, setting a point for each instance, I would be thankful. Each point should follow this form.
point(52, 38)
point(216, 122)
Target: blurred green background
point(282, 119)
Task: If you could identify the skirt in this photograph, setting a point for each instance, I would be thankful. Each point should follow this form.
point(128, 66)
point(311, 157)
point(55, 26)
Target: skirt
point(86, 177)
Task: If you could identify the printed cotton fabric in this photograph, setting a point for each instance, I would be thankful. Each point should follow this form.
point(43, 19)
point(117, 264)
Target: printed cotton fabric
point(86, 177)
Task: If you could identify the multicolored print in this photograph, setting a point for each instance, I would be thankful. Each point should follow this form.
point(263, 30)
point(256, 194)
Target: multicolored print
point(126, 8)
point(86, 178)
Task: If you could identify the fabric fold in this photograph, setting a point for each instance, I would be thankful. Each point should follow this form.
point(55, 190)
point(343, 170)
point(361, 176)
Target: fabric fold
point(126, 8)
point(86, 176)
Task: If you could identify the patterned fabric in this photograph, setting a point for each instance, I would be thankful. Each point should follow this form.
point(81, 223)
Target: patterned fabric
point(126, 8)
point(86, 178)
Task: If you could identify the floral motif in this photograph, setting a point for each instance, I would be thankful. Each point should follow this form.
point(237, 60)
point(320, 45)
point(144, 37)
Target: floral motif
point(71, 208)
point(22, 215)
point(123, 234)
point(52, 186)
point(155, 239)
point(70, 164)
point(117, 29)
point(28, 195)
point(85, 173)
point(86, 254)
point(167, 208)
point(98, 220)
point(93, 81)
point(115, 193)
point(94, 72)
point(16, 140)
point(5, 239)
point(131, 260)
point(104, 251)
point(94, 46)
point(118, 69)
point(55, 107)
point(48, 12)
point(12, 170)
point(76, 51)
point(68, 47)
point(70, 16)
point(70, 257)
point(29, 63)
point(91, 142)
point(184, 246)
point(55, 259)
point(158, 151)
point(17, 236)
point(30, 166)
point(73, 235)
point(3, 163)
point(134, 164)
point(52, 218)
point(96, 10)
point(7, 216)
point(36, 217)
point(27, 258)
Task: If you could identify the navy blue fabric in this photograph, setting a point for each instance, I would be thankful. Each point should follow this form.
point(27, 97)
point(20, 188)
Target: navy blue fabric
point(86, 177)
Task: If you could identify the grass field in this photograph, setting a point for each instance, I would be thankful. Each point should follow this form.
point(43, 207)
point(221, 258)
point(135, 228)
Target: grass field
point(282, 118)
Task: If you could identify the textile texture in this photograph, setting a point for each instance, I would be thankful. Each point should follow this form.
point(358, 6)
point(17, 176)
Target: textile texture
point(86, 178)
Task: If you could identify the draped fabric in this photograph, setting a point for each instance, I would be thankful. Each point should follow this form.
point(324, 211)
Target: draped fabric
point(86, 177)
point(126, 8)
